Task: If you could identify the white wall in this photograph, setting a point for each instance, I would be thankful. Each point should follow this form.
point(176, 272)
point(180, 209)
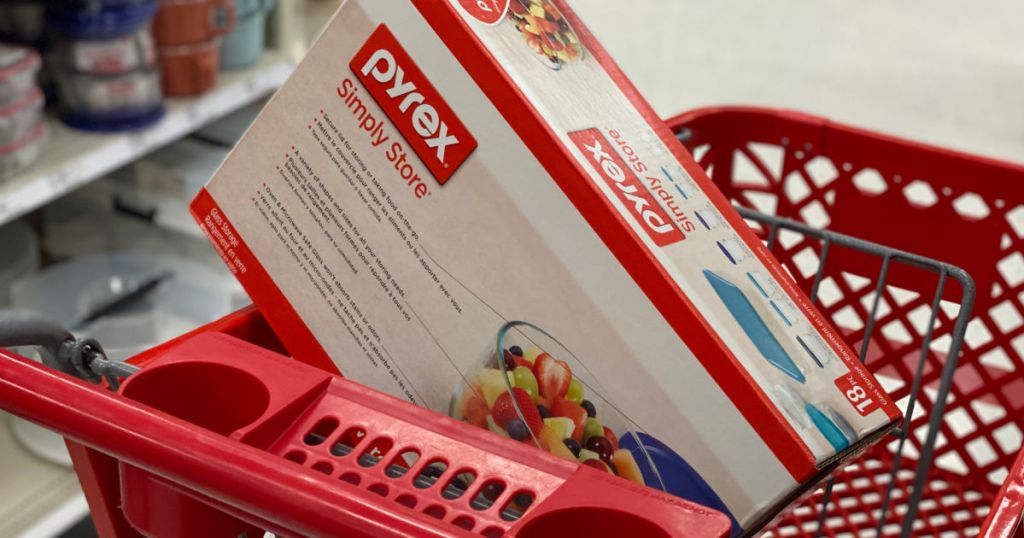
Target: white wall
point(949, 72)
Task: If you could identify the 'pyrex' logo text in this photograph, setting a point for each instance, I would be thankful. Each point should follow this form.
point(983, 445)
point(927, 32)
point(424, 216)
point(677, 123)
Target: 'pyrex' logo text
point(489, 12)
point(631, 192)
point(412, 103)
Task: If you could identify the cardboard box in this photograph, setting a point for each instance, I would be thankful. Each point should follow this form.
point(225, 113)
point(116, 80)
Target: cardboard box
point(435, 169)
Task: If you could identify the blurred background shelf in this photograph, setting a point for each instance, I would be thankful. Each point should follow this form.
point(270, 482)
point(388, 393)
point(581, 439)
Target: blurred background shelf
point(37, 498)
point(73, 158)
point(73, 201)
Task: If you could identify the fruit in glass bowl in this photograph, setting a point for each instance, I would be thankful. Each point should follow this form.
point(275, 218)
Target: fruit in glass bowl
point(530, 388)
point(546, 31)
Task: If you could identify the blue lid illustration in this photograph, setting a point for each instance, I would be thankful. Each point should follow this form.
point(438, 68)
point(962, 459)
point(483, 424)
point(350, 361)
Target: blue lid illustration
point(754, 326)
point(676, 474)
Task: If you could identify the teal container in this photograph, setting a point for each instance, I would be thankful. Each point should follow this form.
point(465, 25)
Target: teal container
point(244, 46)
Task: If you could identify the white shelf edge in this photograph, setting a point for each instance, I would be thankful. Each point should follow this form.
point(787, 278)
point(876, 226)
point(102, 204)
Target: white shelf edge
point(59, 520)
point(105, 153)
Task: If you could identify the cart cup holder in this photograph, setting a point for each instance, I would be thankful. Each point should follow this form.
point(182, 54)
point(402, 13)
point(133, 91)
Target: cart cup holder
point(405, 460)
point(214, 396)
point(591, 521)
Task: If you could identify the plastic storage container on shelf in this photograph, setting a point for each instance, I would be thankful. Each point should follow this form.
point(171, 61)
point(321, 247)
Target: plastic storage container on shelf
point(18, 69)
point(19, 117)
point(244, 46)
point(187, 22)
point(106, 66)
point(949, 206)
point(19, 154)
point(99, 19)
point(188, 35)
point(113, 56)
point(189, 69)
point(111, 103)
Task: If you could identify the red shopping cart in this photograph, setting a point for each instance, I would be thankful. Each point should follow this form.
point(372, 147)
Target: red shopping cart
point(841, 207)
point(308, 454)
point(220, 434)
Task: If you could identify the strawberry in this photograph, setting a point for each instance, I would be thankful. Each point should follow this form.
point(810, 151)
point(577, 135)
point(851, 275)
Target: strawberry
point(564, 408)
point(504, 410)
point(553, 376)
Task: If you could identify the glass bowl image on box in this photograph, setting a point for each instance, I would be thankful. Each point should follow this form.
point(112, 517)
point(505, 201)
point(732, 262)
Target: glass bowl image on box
point(546, 31)
point(532, 389)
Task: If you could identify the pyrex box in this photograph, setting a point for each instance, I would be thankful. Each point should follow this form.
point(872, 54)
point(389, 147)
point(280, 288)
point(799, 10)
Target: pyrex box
point(435, 169)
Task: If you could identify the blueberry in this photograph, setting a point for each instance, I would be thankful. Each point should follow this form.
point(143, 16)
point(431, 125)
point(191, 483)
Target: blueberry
point(589, 406)
point(517, 429)
point(516, 350)
point(573, 446)
point(543, 412)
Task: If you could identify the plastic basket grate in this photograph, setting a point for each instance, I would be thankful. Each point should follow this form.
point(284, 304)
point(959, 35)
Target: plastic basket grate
point(298, 451)
point(951, 207)
point(411, 466)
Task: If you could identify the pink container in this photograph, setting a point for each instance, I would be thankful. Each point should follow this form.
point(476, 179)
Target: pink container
point(184, 22)
point(189, 69)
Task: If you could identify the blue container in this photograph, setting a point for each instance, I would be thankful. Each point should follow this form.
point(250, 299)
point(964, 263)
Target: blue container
point(128, 119)
point(88, 104)
point(244, 45)
point(99, 19)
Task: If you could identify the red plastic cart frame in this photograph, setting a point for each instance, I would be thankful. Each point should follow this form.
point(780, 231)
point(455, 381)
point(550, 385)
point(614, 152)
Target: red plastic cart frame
point(218, 434)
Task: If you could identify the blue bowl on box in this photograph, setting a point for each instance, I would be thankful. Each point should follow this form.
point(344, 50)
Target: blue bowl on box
point(244, 45)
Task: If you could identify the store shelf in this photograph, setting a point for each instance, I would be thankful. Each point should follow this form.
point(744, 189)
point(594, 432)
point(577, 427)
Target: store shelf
point(73, 158)
point(34, 494)
point(59, 520)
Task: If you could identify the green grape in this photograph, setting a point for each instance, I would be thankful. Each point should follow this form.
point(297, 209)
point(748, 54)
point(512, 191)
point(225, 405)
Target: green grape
point(575, 394)
point(524, 379)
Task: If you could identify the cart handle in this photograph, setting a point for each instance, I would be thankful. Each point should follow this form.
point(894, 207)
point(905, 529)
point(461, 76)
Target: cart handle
point(82, 358)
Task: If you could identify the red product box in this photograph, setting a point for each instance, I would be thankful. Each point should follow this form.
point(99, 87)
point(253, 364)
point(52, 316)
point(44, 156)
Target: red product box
point(465, 203)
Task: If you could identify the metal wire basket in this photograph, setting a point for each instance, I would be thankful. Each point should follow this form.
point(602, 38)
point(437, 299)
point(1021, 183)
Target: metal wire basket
point(843, 209)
